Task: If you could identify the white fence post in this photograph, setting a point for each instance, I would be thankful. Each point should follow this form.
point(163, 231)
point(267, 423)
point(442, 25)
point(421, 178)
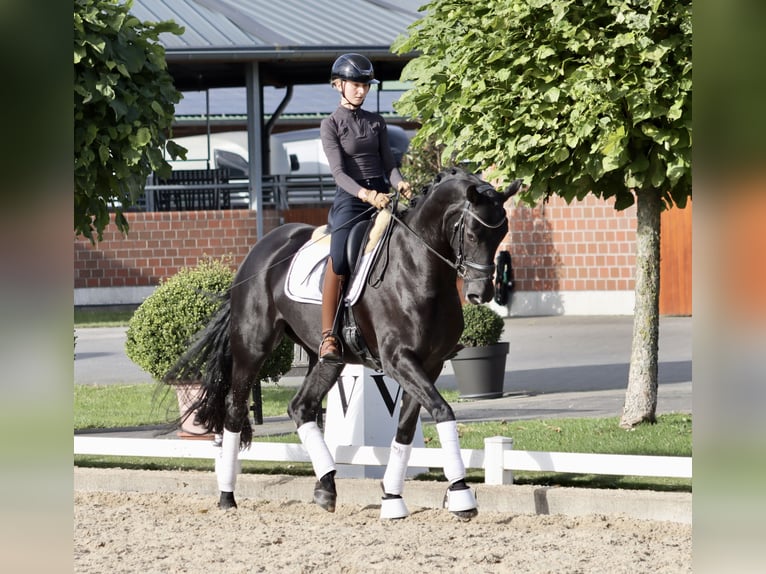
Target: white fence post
point(494, 456)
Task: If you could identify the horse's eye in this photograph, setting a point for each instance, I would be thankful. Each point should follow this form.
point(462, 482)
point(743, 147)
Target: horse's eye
point(471, 237)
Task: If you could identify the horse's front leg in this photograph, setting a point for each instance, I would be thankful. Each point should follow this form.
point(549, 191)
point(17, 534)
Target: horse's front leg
point(303, 409)
point(392, 505)
point(460, 499)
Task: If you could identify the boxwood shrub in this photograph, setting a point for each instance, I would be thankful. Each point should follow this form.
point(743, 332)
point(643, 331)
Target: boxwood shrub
point(482, 326)
point(163, 325)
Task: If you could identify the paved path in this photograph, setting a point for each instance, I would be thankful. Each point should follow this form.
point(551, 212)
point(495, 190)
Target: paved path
point(557, 367)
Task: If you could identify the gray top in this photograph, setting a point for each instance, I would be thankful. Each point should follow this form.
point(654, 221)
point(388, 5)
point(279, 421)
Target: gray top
point(356, 145)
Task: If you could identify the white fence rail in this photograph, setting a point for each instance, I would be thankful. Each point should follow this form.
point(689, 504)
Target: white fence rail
point(498, 459)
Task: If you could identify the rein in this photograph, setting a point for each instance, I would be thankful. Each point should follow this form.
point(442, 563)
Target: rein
point(461, 265)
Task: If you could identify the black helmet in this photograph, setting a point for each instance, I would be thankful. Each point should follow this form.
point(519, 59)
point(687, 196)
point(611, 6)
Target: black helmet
point(355, 68)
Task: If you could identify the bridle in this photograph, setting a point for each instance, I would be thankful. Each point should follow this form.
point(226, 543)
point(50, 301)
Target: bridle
point(461, 265)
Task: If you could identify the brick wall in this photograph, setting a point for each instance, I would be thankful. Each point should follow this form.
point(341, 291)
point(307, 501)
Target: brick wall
point(160, 243)
point(583, 246)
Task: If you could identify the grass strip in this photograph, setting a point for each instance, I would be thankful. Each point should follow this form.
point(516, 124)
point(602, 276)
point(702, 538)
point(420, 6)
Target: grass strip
point(96, 317)
point(135, 405)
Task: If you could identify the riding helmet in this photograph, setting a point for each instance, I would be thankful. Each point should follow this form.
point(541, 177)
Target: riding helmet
point(354, 68)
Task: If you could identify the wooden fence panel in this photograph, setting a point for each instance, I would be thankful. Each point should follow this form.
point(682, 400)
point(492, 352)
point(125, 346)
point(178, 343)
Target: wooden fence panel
point(676, 261)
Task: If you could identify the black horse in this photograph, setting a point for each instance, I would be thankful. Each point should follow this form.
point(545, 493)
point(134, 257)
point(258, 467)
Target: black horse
point(409, 317)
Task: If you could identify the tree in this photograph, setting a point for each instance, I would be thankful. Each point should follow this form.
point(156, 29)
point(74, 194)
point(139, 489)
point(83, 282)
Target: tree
point(124, 104)
point(574, 98)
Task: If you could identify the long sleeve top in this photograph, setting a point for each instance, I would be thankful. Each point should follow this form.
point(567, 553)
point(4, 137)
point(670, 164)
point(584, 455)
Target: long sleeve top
point(356, 145)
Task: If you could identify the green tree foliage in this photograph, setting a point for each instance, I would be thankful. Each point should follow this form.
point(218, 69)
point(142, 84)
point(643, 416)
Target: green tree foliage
point(573, 97)
point(124, 103)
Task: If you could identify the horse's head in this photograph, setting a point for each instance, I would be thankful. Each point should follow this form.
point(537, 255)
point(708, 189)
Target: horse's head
point(477, 223)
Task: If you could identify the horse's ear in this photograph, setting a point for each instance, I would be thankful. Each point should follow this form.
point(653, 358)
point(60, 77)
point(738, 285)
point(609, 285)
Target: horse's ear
point(512, 189)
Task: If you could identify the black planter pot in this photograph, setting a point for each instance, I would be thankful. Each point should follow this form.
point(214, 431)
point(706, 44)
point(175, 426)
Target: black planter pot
point(480, 371)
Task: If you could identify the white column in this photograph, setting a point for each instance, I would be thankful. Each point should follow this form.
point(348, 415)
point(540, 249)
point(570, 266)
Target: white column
point(363, 410)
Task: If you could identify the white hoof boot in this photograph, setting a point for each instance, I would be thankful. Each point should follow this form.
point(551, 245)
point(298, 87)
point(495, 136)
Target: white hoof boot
point(461, 503)
point(393, 508)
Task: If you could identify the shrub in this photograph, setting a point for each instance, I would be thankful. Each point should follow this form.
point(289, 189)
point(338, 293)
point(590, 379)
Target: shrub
point(163, 325)
point(279, 362)
point(422, 163)
point(482, 326)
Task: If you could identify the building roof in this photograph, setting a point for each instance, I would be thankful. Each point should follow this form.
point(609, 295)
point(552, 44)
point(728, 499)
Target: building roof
point(294, 41)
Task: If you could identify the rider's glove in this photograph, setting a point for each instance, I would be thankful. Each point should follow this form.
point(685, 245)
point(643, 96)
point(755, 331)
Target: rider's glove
point(374, 198)
point(405, 189)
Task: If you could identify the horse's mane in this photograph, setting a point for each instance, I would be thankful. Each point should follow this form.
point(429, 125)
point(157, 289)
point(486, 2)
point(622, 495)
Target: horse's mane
point(447, 175)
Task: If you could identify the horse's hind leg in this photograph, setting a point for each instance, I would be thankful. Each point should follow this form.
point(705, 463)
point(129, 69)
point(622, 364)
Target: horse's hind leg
point(227, 463)
point(303, 409)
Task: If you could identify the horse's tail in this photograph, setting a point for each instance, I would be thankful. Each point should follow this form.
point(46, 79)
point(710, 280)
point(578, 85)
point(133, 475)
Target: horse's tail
point(209, 360)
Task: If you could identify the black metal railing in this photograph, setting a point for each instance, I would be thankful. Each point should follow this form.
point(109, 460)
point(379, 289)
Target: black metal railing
point(203, 189)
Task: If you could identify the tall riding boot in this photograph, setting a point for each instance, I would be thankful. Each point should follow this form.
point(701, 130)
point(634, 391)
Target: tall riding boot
point(329, 349)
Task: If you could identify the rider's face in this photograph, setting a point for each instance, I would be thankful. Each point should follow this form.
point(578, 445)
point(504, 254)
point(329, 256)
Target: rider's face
point(354, 92)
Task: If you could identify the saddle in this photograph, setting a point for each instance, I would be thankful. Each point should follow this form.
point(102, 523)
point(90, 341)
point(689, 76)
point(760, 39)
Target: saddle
point(305, 276)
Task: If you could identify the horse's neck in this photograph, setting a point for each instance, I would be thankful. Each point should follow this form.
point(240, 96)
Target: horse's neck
point(426, 234)
point(431, 220)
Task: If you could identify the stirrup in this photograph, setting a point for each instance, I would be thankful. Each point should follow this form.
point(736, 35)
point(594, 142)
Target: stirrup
point(328, 349)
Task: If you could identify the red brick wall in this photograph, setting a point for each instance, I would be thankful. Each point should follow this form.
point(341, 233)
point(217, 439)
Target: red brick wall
point(583, 246)
point(160, 243)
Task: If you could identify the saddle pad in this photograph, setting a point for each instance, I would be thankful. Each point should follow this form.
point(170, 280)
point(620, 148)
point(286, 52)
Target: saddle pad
point(306, 274)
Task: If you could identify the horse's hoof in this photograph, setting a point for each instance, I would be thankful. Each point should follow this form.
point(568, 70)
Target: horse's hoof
point(461, 502)
point(227, 500)
point(465, 514)
point(392, 507)
point(325, 498)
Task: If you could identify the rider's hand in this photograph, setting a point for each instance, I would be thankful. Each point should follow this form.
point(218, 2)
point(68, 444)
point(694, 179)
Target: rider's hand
point(374, 198)
point(405, 189)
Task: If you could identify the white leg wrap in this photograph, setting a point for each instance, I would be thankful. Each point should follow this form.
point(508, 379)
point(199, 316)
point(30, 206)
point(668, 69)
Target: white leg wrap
point(396, 469)
point(454, 469)
point(227, 464)
point(315, 445)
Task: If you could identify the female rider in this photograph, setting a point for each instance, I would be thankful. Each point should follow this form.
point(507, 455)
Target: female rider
point(355, 142)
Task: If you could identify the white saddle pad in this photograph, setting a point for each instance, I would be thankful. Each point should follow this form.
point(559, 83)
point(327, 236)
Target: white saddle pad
point(306, 273)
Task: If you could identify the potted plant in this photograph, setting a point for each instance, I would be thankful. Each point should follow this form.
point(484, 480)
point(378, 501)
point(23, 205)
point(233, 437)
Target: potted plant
point(163, 325)
point(480, 365)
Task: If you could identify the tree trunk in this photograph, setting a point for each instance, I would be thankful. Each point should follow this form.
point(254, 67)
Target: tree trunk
point(641, 396)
